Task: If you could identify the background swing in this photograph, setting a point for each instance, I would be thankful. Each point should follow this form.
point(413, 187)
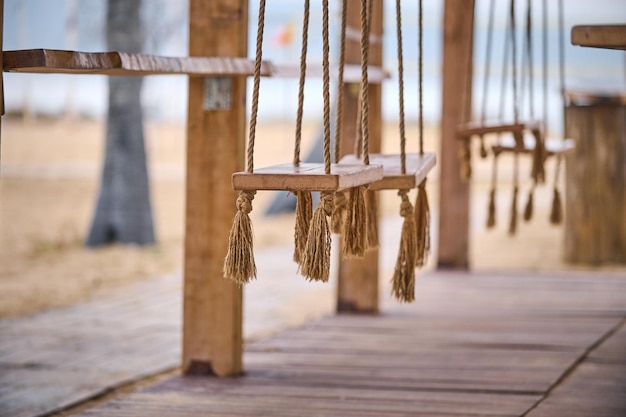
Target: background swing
point(521, 135)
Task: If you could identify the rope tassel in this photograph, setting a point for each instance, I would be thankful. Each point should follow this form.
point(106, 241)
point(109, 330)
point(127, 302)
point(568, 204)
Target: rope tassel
point(304, 212)
point(372, 220)
point(355, 230)
point(528, 210)
point(556, 214)
point(239, 264)
point(491, 215)
point(513, 222)
point(422, 223)
point(403, 280)
point(339, 212)
point(316, 263)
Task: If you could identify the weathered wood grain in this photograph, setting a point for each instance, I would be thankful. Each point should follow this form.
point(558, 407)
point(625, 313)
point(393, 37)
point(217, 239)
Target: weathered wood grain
point(595, 204)
point(212, 313)
point(600, 36)
point(417, 168)
point(52, 61)
point(458, 38)
point(307, 177)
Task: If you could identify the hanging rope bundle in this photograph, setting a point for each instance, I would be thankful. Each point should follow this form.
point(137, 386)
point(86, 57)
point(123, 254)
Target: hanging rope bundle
point(415, 235)
point(358, 235)
point(304, 200)
point(316, 262)
point(556, 213)
point(403, 279)
point(239, 264)
point(519, 140)
point(422, 209)
point(341, 202)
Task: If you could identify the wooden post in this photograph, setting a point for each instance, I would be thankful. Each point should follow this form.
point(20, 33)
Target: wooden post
point(454, 192)
point(357, 290)
point(212, 314)
point(1, 74)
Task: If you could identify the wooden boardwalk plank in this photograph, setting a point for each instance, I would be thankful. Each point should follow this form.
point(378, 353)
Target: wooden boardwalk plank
point(597, 387)
point(484, 345)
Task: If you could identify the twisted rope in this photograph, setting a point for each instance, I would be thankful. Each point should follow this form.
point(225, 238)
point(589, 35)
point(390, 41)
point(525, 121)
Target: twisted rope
point(326, 87)
point(365, 38)
point(255, 89)
point(305, 42)
point(340, 82)
point(421, 77)
point(401, 88)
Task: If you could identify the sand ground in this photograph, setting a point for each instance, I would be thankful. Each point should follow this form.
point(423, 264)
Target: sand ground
point(49, 184)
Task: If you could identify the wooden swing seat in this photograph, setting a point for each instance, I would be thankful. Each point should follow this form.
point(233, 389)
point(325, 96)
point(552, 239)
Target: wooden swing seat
point(468, 130)
point(307, 177)
point(553, 146)
point(417, 167)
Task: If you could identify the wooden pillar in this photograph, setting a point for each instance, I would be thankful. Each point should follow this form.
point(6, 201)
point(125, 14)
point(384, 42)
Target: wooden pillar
point(1, 74)
point(454, 192)
point(212, 313)
point(358, 278)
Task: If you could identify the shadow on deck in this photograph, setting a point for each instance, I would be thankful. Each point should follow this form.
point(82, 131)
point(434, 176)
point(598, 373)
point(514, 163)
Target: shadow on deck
point(471, 345)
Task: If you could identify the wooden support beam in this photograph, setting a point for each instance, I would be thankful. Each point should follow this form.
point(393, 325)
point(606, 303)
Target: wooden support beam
point(1, 77)
point(53, 61)
point(600, 36)
point(357, 290)
point(212, 313)
point(458, 31)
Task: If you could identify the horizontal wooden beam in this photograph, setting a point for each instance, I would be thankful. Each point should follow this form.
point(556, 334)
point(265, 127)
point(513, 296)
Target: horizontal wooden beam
point(52, 61)
point(351, 73)
point(119, 63)
point(553, 146)
point(471, 129)
point(600, 36)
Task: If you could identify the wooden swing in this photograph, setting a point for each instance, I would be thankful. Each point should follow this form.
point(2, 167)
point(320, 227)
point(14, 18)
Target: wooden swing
point(526, 137)
point(312, 235)
point(403, 172)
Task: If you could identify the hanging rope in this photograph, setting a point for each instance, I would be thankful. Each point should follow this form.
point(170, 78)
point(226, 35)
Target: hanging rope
point(539, 153)
point(483, 111)
point(360, 231)
point(239, 264)
point(304, 200)
point(403, 279)
point(422, 209)
point(316, 262)
point(518, 137)
point(556, 213)
point(341, 202)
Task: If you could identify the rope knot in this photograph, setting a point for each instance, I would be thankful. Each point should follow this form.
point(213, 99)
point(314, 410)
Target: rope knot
point(406, 208)
point(244, 201)
point(328, 202)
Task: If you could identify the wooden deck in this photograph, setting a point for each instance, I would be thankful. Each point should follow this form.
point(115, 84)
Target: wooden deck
point(471, 345)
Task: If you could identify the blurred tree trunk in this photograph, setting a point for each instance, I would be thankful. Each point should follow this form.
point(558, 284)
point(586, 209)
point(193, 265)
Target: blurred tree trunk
point(123, 213)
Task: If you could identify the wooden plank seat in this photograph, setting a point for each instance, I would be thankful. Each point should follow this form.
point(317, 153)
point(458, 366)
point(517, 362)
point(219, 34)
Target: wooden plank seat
point(307, 177)
point(417, 168)
point(600, 36)
point(468, 130)
point(53, 61)
point(553, 146)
